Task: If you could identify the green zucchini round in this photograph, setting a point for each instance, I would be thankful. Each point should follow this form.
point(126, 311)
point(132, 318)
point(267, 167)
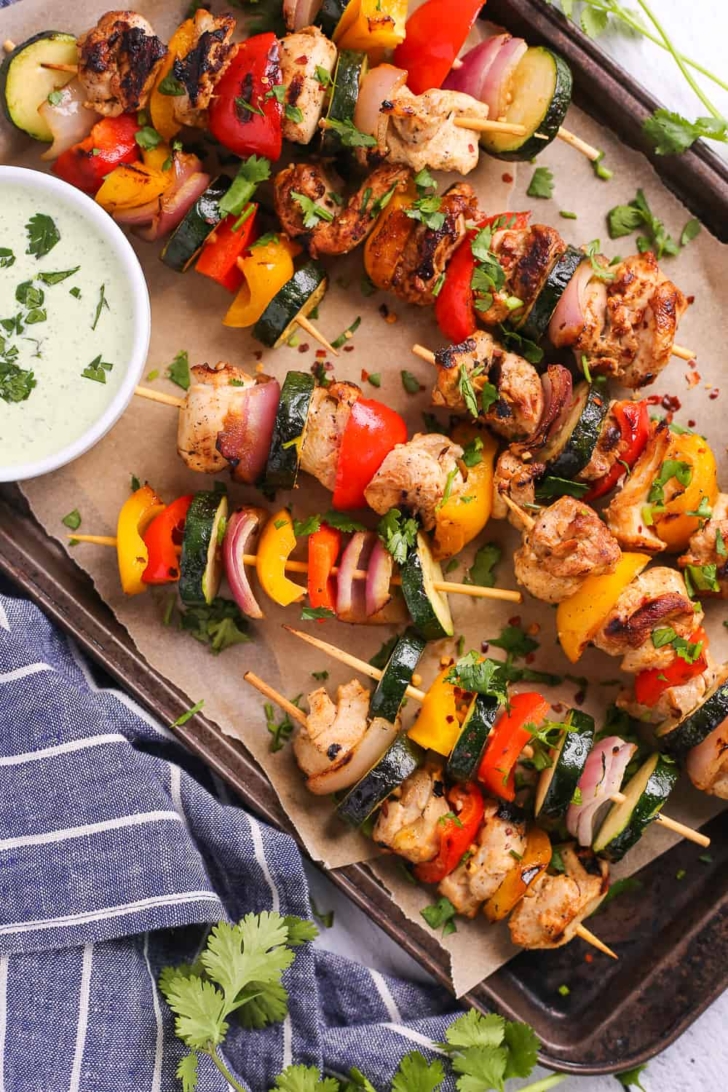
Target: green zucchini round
point(290, 424)
point(558, 782)
point(464, 760)
point(534, 323)
point(329, 16)
point(428, 607)
point(297, 298)
point(645, 795)
point(697, 726)
point(572, 448)
point(189, 237)
point(25, 84)
point(541, 95)
point(397, 676)
point(400, 760)
point(351, 68)
point(200, 570)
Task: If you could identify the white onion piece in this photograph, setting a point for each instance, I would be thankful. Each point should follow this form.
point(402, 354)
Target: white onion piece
point(495, 92)
point(379, 579)
point(476, 64)
point(351, 603)
point(351, 766)
point(380, 84)
point(69, 121)
point(245, 441)
point(601, 778)
point(242, 526)
point(300, 13)
point(567, 321)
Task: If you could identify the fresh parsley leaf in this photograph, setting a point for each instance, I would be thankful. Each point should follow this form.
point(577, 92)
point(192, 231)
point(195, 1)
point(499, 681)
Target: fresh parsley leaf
point(251, 172)
point(410, 382)
point(73, 520)
point(482, 571)
point(219, 624)
point(42, 235)
point(313, 614)
point(349, 135)
point(56, 278)
point(179, 370)
point(398, 534)
point(541, 184)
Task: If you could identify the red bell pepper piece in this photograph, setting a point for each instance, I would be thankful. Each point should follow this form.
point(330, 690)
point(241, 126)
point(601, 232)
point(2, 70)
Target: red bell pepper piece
point(323, 549)
point(110, 143)
point(371, 432)
point(457, 834)
point(634, 424)
point(649, 685)
point(508, 738)
point(163, 538)
point(455, 305)
point(244, 116)
point(436, 33)
point(218, 259)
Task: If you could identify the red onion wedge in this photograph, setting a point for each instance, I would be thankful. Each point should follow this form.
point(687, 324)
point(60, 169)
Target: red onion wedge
point(351, 767)
point(557, 395)
point(601, 778)
point(380, 84)
point(476, 64)
point(496, 90)
point(68, 120)
point(188, 182)
point(379, 579)
point(300, 13)
point(567, 321)
point(351, 605)
point(243, 526)
point(247, 431)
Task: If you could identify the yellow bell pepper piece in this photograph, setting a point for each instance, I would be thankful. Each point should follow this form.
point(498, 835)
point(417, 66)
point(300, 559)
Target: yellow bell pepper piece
point(579, 617)
point(275, 546)
point(534, 861)
point(384, 247)
point(132, 185)
point(372, 25)
point(438, 722)
point(266, 269)
point(673, 525)
point(155, 158)
point(462, 518)
point(161, 107)
point(134, 518)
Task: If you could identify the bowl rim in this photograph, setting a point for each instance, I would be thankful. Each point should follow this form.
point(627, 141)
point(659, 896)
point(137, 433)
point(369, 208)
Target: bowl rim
point(130, 269)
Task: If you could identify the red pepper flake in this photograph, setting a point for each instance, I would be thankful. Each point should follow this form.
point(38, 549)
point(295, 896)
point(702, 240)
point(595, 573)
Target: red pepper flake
point(364, 375)
point(713, 395)
point(588, 958)
point(348, 348)
point(653, 399)
point(670, 403)
point(506, 177)
point(558, 707)
point(691, 423)
point(302, 60)
point(383, 310)
point(484, 646)
point(530, 657)
point(515, 620)
point(693, 379)
point(449, 718)
point(320, 354)
point(580, 697)
point(258, 354)
point(304, 348)
point(691, 300)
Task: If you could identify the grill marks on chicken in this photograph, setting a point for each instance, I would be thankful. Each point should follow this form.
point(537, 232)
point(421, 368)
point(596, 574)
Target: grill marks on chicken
point(328, 415)
point(206, 423)
point(428, 250)
point(527, 256)
point(709, 546)
point(300, 56)
point(552, 910)
point(118, 61)
point(499, 844)
point(409, 821)
point(202, 66)
point(415, 476)
point(624, 514)
point(657, 597)
point(515, 479)
point(422, 131)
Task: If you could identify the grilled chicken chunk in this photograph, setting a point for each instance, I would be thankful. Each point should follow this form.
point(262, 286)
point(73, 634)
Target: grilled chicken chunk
point(527, 256)
point(607, 450)
point(118, 61)
point(500, 842)
point(556, 905)
point(707, 764)
point(415, 476)
point(515, 479)
point(624, 515)
point(567, 543)
point(202, 66)
point(210, 408)
point(338, 229)
point(408, 822)
point(517, 410)
point(328, 415)
point(301, 54)
point(332, 727)
point(422, 131)
point(655, 598)
point(709, 546)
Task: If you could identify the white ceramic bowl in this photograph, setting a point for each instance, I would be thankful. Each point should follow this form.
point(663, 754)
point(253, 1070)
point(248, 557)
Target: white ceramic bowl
point(52, 191)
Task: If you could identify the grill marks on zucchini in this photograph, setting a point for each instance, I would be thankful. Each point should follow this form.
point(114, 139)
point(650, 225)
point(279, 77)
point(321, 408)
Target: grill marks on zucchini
point(698, 725)
point(284, 457)
point(299, 296)
point(558, 782)
point(645, 795)
point(536, 321)
point(572, 447)
point(396, 764)
point(201, 562)
point(188, 239)
point(397, 676)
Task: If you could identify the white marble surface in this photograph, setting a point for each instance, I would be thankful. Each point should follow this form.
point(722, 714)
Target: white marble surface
point(698, 1062)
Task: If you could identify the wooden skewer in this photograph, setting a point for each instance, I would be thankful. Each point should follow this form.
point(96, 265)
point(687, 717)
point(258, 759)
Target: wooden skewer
point(486, 125)
point(8, 45)
point(287, 706)
point(306, 325)
point(590, 938)
point(61, 67)
point(683, 353)
point(159, 396)
point(671, 824)
point(424, 354)
point(581, 145)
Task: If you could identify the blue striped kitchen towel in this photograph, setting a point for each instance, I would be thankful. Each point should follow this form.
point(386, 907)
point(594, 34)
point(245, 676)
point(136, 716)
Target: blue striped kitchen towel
point(116, 852)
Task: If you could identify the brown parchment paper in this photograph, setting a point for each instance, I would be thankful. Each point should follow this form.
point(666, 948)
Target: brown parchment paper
point(187, 314)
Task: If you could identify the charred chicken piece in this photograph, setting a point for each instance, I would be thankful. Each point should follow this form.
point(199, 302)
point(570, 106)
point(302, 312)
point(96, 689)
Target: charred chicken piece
point(551, 912)
point(567, 543)
point(707, 764)
point(301, 55)
point(516, 479)
point(118, 61)
point(624, 515)
point(214, 400)
point(517, 410)
point(338, 230)
point(422, 131)
point(332, 727)
point(328, 414)
point(409, 821)
point(500, 842)
point(415, 476)
point(709, 546)
point(527, 256)
point(607, 450)
point(202, 66)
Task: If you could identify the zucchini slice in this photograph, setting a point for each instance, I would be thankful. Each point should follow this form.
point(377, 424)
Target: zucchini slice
point(290, 424)
point(464, 760)
point(645, 795)
point(25, 85)
point(558, 782)
point(299, 296)
point(396, 764)
point(200, 570)
point(189, 237)
point(535, 322)
point(571, 448)
point(698, 725)
point(397, 676)
point(329, 15)
point(351, 68)
point(541, 95)
point(429, 608)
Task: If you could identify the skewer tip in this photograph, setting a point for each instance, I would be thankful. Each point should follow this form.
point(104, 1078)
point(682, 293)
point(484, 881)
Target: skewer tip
point(590, 938)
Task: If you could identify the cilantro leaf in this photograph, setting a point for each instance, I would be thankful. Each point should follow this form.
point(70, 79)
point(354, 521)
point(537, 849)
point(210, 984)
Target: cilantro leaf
point(266, 1003)
point(472, 452)
point(312, 212)
point(478, 675)
point(187, 1072)
point(624, 219)
point(671, 134)
point(200, 1010)
point(300, 931)
point(410, 382)
point(179, 370)
point(560, 487)
point(541, 184)
point(689, 232)
point(251, 172)
point(515, 641)
point(428, 211)
point(630, 1078)
point(7, 258)
point(219, 624)
point(467, 391)
point(379, 659)
point(416, 1074)
point(304, 1078)
point(523, 1044)
point(482, 571)
point(42, 235)
point(532, 352)
point(440, 913)
point(475, 1029)
point(315, 614)
point(398, 534)
point(308, 526)
point(342, 522)
point(349, 135)
point(481, 1068)
point(73, 520)
point(147, 137)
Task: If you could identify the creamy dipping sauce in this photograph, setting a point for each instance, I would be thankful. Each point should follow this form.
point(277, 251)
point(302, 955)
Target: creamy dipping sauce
point(56, 327)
